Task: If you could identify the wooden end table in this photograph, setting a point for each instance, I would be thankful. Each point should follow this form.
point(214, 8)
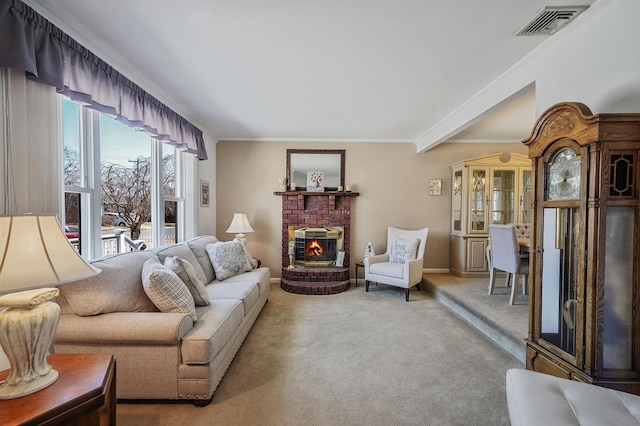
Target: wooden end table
point(84, 394)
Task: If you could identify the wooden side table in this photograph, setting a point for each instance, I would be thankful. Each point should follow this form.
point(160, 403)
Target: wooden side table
point(84, 394)
point(355, 267)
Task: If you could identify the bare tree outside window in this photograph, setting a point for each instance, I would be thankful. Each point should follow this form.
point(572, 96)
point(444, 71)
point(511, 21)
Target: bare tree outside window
point(71, 166)
point(71, 178)
point(127, 191)
point(169, 185)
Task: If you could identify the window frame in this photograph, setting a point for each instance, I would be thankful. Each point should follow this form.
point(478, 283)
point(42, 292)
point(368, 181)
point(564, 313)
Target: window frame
point(89, 187)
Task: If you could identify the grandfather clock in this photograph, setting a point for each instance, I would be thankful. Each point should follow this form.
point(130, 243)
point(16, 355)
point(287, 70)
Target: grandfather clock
point(584, 310)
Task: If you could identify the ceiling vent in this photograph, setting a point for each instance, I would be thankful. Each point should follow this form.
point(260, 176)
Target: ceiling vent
point(551, 19)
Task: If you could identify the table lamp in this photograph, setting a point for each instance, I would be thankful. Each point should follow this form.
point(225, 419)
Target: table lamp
point(240, 224)
point(34, 255)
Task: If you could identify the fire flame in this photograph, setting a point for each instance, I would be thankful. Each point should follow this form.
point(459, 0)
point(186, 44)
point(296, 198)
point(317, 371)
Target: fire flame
point(314, 248)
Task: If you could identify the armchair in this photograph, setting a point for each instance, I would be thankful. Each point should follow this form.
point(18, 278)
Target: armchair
point(401, 264)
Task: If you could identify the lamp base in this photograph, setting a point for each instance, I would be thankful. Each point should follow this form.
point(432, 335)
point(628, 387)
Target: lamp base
point(26, 333)
point(12, 391)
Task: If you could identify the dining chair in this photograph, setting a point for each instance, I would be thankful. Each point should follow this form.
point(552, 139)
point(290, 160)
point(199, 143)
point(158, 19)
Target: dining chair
point(505, 256)
point(523, 230)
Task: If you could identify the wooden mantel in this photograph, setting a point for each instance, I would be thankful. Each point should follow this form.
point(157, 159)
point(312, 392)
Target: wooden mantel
point(301, 196)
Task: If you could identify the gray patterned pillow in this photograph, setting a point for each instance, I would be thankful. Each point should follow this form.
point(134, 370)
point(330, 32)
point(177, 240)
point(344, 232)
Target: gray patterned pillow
point(228, 258)
point(187, 273)
point(166, 290)
point(403, 250)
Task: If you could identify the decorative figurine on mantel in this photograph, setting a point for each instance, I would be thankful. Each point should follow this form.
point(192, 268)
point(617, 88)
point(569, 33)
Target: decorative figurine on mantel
point(369, 250)
point(315, 181)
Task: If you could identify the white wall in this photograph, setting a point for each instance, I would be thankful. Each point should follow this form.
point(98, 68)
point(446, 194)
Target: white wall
point(597, 64)
point(594, 60)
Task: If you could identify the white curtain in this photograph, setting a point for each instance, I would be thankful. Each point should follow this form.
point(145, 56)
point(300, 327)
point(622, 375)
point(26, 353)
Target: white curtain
point(31, 141)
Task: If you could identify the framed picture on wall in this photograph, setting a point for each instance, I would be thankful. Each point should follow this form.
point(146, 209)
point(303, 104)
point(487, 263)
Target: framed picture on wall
point(435, 187)
point(204, 193)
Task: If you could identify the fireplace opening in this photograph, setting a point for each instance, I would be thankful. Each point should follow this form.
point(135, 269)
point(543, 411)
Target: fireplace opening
point(316, 246)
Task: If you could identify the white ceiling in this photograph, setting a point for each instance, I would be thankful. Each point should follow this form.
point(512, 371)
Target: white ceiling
point(328, 70)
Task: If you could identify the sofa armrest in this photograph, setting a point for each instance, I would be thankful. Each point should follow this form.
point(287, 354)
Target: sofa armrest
point(124, 327)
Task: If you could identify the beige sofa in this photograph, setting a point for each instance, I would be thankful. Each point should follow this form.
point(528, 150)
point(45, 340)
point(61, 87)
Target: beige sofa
point(160, 355)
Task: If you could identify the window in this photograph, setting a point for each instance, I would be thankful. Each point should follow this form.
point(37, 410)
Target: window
point(122, 188)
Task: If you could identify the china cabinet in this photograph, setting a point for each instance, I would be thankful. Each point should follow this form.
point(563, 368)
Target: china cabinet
point(584, 317)
point(493, 189)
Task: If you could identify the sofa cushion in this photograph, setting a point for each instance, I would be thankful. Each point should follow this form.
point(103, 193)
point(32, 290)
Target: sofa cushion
point(389, 269)
point(246, 291)
point(166, 290)
point(260, 276)
point(228, 258)
point(540, 399)
point(197, 246)
point(212, 331)
point(188, 275)
point(403, 250)
point(183, 251)
point(118, 288)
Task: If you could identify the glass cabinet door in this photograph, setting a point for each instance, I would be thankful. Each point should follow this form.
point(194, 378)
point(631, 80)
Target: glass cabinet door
point(457, 201)
point(526, 197)
point(503, 197)
point(478, 200)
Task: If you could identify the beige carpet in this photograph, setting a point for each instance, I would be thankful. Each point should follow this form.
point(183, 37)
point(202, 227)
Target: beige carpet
point(353, 358)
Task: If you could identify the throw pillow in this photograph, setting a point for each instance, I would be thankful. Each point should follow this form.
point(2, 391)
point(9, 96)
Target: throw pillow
point(228, 258)
point(166, 290)
point(403, 250)
point(250, 259)
point(187, 273)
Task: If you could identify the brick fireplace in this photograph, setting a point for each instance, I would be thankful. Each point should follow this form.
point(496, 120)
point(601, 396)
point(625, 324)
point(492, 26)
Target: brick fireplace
point(315, 210)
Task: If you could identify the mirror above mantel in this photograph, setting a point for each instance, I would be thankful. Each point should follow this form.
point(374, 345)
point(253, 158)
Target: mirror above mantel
point(328, 161)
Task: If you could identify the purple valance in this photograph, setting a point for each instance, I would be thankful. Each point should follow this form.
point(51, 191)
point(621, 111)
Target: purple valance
point(49, 56)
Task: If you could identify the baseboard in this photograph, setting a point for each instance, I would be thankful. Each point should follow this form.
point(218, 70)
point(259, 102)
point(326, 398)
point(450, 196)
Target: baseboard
point(435, 271)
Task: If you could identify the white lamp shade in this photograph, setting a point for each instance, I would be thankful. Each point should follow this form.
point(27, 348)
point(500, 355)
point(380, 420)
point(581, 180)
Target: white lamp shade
point(240, 224)
point(34, 252)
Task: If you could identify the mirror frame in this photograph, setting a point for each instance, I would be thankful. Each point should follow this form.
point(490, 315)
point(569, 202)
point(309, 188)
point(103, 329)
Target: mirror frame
point(341, 152)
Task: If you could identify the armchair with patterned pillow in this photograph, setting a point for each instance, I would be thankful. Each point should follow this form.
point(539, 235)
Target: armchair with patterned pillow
point(401, 264)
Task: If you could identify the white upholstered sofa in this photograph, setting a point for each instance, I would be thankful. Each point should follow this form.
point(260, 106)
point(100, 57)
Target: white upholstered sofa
point(160, 355)
point(539, 399)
